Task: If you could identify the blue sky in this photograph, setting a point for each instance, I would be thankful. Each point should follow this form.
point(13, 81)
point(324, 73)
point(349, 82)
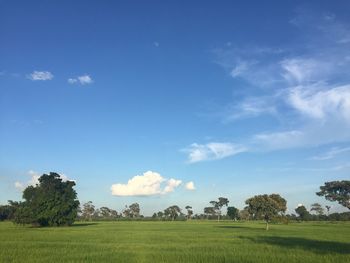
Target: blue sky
point(175, 102)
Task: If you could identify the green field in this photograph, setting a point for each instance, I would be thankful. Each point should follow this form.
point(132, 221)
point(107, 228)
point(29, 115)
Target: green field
point(206, 241)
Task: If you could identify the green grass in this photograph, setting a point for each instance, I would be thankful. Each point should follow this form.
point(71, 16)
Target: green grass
point(176, 242)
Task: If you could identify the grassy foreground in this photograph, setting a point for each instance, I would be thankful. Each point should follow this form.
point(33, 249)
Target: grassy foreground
point(176, 242)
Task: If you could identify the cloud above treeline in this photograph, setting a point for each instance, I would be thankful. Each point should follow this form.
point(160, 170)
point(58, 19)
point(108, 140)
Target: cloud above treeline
point(148, 184)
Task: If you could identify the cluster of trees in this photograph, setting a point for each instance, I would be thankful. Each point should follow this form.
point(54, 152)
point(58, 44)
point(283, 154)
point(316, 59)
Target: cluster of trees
point(53, 202)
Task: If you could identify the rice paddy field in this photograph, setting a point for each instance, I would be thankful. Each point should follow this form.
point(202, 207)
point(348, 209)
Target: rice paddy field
point(191, 241)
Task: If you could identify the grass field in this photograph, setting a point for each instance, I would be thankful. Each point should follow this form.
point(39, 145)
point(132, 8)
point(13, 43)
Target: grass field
point(176, 242)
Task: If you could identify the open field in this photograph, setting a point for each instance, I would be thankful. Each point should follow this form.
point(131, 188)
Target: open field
point(176, 242)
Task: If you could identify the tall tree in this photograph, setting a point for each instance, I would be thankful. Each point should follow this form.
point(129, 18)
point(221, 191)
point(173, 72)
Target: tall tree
point(328, 208)
point(266, 206)
point(51, 202)
point(189, 211)
point(172, 211)
point(217, 205)
point(338, 191)
point(317, 208)
point(232, 212)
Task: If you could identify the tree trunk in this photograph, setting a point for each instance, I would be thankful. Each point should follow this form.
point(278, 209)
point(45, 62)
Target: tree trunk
point(267, 225)
point(218, 218)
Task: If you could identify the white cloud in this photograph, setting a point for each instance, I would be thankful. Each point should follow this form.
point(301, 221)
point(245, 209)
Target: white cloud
point(190, 186)
point(40, 75)
point(331, 153)
point(171, 185)
point(83, 80)
point(149, 183)
point(212, 151)
point(331, 102)
point(19, 186)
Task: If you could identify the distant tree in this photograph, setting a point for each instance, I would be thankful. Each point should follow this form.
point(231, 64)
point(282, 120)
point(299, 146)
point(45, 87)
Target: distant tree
point(134, 210)
point(173, 212)
point(88, 211)
point(160, 214)
point(51, 202)
point(189, 211)
point(302, 212)
point(154, 216)
point(328, 208)
point(217, 205)
point(126, 211)
point(209, 211)
point(105, 212)
point(233, 212)
point(317, 208)
point(7, 211)
point(266, 207)
point(244, 214)
point(338, 191)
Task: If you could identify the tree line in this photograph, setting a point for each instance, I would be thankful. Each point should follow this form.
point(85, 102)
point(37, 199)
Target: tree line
point(53, 202)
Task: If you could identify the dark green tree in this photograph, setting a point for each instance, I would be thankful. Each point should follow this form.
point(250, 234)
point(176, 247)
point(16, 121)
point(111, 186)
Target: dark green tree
point(173, 212)
point(338, 191)
point(209, 211)
point(233, 212)
point(266, 207)
point(302, 212)
point(51, 202)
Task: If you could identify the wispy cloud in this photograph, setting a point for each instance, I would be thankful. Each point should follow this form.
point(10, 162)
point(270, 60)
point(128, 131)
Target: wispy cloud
point(331, 153)
point(306, 86)
point(212, 151)
point(83, 80)
point(147, 184)
point(40, 75)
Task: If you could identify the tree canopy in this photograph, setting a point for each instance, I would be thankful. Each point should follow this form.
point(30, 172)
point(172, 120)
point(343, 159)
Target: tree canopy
point(338, 191)
point(266, 206)
point(51, 202)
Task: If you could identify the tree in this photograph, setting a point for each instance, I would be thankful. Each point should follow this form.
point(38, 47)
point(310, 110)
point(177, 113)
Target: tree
point(222, 201)
point(189, 211)
point(209, 211)
point(7, 211)
point(302, 212)
point(88, 211)
point(266, 206)
point(244, 214)
point(338, 191)
point(51, 202)
point(317, 208)
point(328, 208)
point(172, 211)
point(134, 210)
point(232, 212)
